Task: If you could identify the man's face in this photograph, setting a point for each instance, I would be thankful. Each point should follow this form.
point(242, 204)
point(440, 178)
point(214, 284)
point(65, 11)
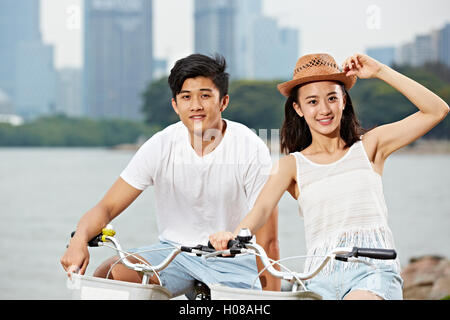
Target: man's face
point(199, 105)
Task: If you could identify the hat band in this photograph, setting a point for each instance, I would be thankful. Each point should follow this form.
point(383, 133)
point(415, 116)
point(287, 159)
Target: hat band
point(315, 63)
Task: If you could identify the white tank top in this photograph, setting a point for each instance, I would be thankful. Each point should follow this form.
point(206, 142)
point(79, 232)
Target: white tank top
point(343, 205)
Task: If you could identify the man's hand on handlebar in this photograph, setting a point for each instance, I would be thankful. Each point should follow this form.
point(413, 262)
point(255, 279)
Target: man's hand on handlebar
point(76, 257)
point(219, 240)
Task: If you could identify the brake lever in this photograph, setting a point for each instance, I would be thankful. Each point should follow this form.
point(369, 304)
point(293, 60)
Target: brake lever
point(219, 254)
point(199, 248)
point(346, 256)
point(234, 247)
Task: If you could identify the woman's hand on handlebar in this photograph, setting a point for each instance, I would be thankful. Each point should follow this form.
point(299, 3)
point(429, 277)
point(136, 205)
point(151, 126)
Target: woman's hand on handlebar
point(220, 240)
point(76, 257)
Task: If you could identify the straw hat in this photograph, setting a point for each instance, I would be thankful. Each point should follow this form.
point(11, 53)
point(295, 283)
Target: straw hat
point(316, 67)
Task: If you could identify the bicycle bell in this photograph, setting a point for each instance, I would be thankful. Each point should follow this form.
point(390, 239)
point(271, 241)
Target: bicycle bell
point(244, 235)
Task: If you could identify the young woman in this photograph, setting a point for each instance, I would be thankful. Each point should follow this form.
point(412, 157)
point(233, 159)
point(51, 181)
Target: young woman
point(333, 168)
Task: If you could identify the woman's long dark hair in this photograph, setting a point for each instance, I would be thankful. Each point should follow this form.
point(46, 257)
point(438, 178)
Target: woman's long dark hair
point(295, 134)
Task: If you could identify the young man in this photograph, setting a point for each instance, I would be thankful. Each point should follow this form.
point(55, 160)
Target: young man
point(207, 173)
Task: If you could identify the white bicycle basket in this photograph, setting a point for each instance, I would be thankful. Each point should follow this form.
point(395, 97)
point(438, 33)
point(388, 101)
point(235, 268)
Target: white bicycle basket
point(93, 288)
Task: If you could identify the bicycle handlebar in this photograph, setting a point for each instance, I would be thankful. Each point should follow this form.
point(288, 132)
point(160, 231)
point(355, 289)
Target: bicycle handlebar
point(94, 242)
point(241, 245)
point(383, 254)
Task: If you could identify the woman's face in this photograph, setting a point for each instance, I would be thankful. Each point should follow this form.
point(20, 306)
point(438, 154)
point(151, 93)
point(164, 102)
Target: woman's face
point(321, 104)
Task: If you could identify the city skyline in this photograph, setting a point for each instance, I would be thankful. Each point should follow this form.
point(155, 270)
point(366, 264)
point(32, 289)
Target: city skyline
point(246, 37)
point(118, 53)
point(120, 58)
point(27, 75)
point(361, 24)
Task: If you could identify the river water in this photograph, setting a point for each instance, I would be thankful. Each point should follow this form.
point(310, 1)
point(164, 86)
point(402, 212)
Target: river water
point(44, 191)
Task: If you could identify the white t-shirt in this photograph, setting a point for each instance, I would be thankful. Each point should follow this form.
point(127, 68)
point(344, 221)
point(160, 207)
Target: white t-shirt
point(197, 196)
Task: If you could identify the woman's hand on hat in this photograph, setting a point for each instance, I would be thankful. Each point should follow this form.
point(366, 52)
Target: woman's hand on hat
point(362, 66)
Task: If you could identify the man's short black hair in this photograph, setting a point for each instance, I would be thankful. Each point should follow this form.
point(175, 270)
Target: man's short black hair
point(199, 65)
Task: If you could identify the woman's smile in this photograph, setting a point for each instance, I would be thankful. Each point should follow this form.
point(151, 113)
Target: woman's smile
point(326, 121)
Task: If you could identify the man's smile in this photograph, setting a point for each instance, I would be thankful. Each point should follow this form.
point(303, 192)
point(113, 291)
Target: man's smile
point(198, 117)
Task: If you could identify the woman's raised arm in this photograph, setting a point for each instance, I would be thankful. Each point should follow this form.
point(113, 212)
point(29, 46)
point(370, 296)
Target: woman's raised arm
point(393, 136)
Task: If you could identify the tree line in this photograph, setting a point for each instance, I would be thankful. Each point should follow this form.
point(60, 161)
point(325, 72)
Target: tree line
point(257, 104)
point(62, 131)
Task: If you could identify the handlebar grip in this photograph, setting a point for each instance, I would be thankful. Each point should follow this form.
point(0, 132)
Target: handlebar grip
point(382, 254)
point(93, 242)
point(231, 243)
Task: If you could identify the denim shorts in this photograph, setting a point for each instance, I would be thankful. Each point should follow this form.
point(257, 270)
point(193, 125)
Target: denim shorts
point(179, 276)
point(382, 280)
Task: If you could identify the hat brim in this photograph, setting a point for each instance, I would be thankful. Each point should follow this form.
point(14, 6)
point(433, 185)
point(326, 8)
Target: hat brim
point(348, 81)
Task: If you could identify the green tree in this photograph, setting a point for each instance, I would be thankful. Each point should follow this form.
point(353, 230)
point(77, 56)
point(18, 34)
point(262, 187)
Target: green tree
point(156, 104)
point(61, 131)
point(377, 103)
point(257, 104)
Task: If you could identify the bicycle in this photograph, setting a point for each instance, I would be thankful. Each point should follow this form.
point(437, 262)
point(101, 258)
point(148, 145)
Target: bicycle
point(87, 287)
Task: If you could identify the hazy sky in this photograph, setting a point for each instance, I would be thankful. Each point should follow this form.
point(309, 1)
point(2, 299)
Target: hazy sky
point(337, 27)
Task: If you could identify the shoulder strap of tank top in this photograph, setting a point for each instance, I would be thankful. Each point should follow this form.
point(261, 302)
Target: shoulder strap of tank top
point(362, 150)
point(302, 166)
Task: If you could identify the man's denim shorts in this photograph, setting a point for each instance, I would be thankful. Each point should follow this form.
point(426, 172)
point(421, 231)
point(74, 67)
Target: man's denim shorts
point(179, 276)
point(382, 280)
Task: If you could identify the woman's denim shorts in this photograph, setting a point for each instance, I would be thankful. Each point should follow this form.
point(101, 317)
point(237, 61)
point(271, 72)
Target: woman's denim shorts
point(382, 280)
point(180, 275)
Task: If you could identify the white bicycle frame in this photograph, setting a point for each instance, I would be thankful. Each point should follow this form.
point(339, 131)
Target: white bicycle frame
point(294, 278)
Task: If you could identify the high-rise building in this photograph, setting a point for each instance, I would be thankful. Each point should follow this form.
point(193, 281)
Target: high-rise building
point(6, 106)
point(118, 57)
point(69, 92)
point(290, 48)
point(275, 50)
point(23, 18)
point(404, 53)
point(214, 28)
point(159, 68)
point(36, 78)
point(444, 45)
point(27, 73)
point(254, 45)
point(245, 15)
point(429, 48)
point(385, 55)
point(7, 114)
point(435, 38)
point(423, 50)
